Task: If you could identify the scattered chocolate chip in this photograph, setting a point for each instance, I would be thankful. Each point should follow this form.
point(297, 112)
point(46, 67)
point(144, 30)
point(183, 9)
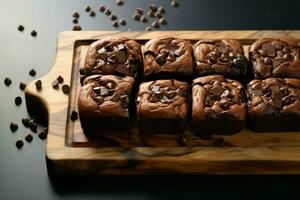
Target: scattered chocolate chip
point(18, 100)
point(136, 16)
point(7, 81)
point(102, 8)
point(33, 33)
point(151, 13)
point(32, 125)
point(13, 127)
point(107, 12)
point(76, 28)
point(120, 2)
point(122, 22)
point(74, 115)
point(155, 24)
point(115, 97)
point(76, 15)
point(25, 122)
point(158, 15)
point(174, 3)
point(148, 28)
point(115, 23)
point(144, 19)
point(42, 135)
point(55, 84)
point(139, 11)
point(22, 86)
point(161, 10)
point(19, 144)
point(87, 8)
point(66, 89)
point(92, 14)
point(38, 84)
point(32, 72)
point(28, 138)
point(21, 28)
point(162, 21)
point(153, 7)
point(75, 21)
point(60, 79)
point(113, 17)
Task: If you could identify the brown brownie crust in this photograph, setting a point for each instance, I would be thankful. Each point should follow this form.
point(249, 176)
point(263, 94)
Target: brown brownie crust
point(275, 58)
point(223, 57)
point(114, 56)
point(167, 57)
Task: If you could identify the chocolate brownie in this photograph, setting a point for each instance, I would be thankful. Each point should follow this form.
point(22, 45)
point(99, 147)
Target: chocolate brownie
point(274, 104)
point(275, 58)
point(103, 103)
point(218, 105)
point(114, 56)
point(162, 106)
point(167, 58)
point(223, 57)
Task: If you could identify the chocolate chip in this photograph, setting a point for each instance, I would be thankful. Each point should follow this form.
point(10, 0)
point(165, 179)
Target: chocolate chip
point(110, 85)
point(33, 33)
point(115, 23)
point(74, 115)
point(55, 84)
point(32, 125)
point(148, 28)
point(92, 14)
point(66, 89)
point(161, 59)
point(76, 28)
point(136, 16)
point(288, 100)
point(32, 72)
point(287, 57)
point(224, 104)
point(271, 53)
point(13, 127)
point(22, 86)
point(257, 92)
point(274, 89)
point(286, 49)
point(60, 79)
point(75, 21)
point(222, 48)
point(76, 15)
point(122, 22)
point(161, 10)
point(7, 81)
point(267, 61)
point(153, 7)
point(158, 15)
point(144, 19)
point(119, 2)
point(107, 12)
point(115, 97)
point(124, 100)
point(42, 135)
point(225, 93)
point(21, 28)
point(216, 90)
point(19, 144)
point(151, 13)
point(103, 91)
point(102, 8)
point(139, 11)
point(18, 100)
point(209, 102)
point(28, 138)
point(174, 3)
point(267, 46)
point(25, 122)
point(87, 8)
point(155, 24)
point(162, 21)
point(38, 84)
point(211, 58)
point(113, 17)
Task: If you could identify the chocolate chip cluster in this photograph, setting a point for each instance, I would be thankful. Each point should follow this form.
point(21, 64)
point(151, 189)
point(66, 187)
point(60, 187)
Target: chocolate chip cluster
point(165, 94)
point(105, 91)
point(168, 54)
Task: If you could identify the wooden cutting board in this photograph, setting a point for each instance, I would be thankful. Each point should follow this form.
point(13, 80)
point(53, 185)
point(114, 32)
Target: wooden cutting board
point(70, 151)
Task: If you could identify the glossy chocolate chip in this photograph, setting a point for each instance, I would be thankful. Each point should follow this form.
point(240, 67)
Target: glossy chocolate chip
point(74, 115)
point(13, 127)
point(38, 85)
point(19, 144)
point(22, 86)
point(7, 81)
point(18, 100)
point(28, 138)
point(66, 89)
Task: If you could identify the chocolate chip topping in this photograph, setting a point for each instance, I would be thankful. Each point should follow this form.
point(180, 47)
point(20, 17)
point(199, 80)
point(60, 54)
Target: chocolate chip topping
point(7, 81)
point(28, 138)
point(19, 144)
point(165, 94)
point(13, 127)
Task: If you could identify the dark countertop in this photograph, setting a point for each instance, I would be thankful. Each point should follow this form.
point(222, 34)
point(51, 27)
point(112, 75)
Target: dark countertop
point(23, 173)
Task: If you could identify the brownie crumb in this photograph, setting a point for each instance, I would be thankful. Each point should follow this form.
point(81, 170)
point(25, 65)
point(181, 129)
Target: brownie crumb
point(38, 84)
point(174, 3)
point(42, 135)
point(33, 33)
point(120, 2)
point(92, 14)
point(87, 8)
point(18, 100)
point(19, 144)
point(21, 28)
point(22, 86)
point(25, 122)
point(76, 15)
point(7, 81)
point(13, 127)
point(32, 72)
point(66, 89)
point(102, 8)
point(122, 22)
point(28, 138)
point(76, 28)
point(74, 115)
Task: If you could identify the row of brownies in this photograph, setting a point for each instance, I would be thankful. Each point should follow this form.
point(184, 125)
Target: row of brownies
point(168, 82)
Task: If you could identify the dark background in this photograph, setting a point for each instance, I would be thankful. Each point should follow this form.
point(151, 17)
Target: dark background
point(23, 173)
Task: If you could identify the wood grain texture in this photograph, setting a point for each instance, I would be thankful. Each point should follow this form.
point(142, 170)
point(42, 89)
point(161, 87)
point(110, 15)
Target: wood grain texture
point(70, 151)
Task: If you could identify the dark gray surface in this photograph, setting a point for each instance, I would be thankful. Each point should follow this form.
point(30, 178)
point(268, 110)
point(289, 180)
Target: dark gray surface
point(23, 173)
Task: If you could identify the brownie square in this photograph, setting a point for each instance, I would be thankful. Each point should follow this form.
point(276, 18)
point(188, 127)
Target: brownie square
point(222, 57)
point(274, 104)
point(167, 58)
point(162, 106)
point(275, 58)
point(218, 105)
point(103, 103)
point(114, 56)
